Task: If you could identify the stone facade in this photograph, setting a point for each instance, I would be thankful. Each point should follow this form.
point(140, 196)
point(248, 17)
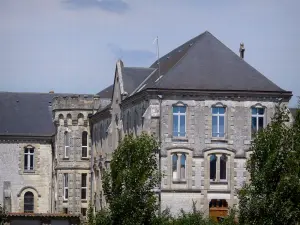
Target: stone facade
point(154, 116)
point(15, 181)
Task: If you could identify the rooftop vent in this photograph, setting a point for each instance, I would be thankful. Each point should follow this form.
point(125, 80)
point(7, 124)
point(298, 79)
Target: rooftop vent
point(242, 50)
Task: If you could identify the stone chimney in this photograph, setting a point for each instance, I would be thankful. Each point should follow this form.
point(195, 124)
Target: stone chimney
point(51, 92)
point(242, 50)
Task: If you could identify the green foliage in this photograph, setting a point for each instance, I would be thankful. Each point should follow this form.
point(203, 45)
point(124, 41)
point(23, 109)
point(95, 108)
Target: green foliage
point(128, 185)
point(273, 196)
point(2, 215)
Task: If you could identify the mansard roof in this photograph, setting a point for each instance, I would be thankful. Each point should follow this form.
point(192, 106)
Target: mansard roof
point(205, 63)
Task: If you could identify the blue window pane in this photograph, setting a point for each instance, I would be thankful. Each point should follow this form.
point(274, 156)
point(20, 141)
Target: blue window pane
point(221, 126)
point(254, 121)
point(182, 125)
point(260, 122)
point(182, 109)
point(175, 109)
point(254, 111)
point(174, 162)
point(261, 111)
point(183, 159)
point(215, 110)
point(214, 126)
point(175, 125)
point(221, 110)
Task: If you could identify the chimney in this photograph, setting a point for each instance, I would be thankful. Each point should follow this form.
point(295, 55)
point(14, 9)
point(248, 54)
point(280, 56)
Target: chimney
point(51, 92)
point(242, 50)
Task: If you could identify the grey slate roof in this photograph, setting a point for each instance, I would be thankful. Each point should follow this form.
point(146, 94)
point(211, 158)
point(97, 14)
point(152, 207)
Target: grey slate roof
point(134, 76)
point(26, 114)
point(106, 92)
point(205, 63)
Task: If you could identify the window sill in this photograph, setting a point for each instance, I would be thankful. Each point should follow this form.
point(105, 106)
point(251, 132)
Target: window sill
point(29, 171)
point(64, 158)
point(179, 181)
point(219, 182)
point(180, 139)
point(85, 158)
point(219, 139)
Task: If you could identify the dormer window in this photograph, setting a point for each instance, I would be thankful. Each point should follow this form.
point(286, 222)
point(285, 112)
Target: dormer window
point(179, 121)
point(257, 119)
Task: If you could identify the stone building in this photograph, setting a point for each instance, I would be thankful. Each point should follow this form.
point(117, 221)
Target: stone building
point(202, 101)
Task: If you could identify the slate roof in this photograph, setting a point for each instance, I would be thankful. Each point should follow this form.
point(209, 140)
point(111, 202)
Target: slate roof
point(134, 76)
point(106, 92)
point(205, 63)
point(26, 114)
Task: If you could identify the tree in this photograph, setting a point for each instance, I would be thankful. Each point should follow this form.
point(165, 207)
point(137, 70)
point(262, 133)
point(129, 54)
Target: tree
point(273, 195)
point(129, 183)
point(2, 215)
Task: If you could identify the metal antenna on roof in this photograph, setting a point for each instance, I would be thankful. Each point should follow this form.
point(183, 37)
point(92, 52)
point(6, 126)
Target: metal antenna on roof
point(157, 52)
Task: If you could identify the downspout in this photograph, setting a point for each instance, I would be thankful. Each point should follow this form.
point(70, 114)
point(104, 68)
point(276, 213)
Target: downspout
point(92, 155)
point(159, 150)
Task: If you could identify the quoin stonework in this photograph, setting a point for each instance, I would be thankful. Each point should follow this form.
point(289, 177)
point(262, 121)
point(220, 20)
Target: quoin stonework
point(202, 102)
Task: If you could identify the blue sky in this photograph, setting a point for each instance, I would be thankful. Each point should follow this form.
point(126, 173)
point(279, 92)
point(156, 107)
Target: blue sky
point(71, 46)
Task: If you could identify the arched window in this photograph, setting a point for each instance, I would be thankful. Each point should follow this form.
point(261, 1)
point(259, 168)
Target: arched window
point(182, 166)
point(84, 151)
point(67, 144)
point(29, 159)
point(213, 167)
point(28, 202)
point(179, 166)
point(174, 166)
point(223, 161)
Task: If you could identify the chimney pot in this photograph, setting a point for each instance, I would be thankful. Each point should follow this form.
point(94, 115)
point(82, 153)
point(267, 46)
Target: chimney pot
point(242, 50)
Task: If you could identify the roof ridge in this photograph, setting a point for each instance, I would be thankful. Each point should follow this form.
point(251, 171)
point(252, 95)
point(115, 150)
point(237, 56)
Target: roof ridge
point(180, 46)
point(197, 38)
point(137, 67)
point(41, 93)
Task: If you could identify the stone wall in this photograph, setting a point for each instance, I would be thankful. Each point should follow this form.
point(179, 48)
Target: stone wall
point(37, 181)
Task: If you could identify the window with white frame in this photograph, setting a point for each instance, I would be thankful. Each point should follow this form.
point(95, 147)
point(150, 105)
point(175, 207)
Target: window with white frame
point(179, 166)
point(29, 159)
point(66, 186)
point(67, 144)
point(257, 119)
point(179, 121)
point(84, 145)
point(83, 186)
point(218, 167)
point(218, 121)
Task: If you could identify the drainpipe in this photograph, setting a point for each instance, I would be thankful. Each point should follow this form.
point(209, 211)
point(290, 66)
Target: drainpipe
point(92, 155)
point(159, 149)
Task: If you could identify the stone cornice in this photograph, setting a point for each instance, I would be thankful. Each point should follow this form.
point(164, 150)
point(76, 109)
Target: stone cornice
point(13, 138)
point(230, 95)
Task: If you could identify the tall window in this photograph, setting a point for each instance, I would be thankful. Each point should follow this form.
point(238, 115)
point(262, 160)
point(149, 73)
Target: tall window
point(28, 158)
point(179, 121)
point(83, 185)
point(223, 161)
point(218, 121)
point(257, 121)
point(84, 150)
point(28, 202)
point(179, 166)
point(67, 145)
point(66, 186)
point(213, 167)
point(218, 167)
